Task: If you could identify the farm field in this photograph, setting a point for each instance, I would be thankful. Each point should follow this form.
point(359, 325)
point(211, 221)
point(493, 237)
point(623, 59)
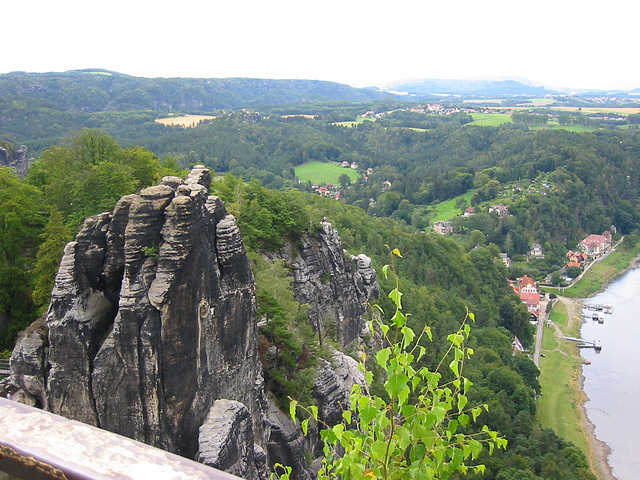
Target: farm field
point(185, 120)
point(323, 172)
point(353, 123)
point(490, 119)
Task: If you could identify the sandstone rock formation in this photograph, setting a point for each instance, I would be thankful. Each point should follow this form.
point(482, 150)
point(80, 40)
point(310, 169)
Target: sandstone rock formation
point(333, 283)
point(152, 319)
point(19, 163)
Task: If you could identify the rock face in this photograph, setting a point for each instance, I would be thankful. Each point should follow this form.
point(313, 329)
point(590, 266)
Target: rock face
point(20, 163)
point(333, 283)
point(152, 319)
point(152, 331)
point(225, 441)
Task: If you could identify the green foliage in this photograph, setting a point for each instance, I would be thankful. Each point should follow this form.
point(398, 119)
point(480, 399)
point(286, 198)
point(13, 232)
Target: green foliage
point(90, 174)
point(423, 427)
point(266, 217)
point(55, 236)
point(21, 222)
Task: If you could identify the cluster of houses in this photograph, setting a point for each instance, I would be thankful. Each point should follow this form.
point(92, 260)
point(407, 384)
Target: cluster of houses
point(330, 190)
point(353, 166)
point(525, 288)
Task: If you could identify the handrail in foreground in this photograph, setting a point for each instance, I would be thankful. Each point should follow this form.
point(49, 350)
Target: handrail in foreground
point(39, 445)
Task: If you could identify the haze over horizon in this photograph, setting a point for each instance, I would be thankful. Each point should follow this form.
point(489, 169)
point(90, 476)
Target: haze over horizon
point(358, 43)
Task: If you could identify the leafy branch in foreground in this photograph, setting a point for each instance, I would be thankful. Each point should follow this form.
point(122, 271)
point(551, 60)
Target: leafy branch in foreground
point(425, 428)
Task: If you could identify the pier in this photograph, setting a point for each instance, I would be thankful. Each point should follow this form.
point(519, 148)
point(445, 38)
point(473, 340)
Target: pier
point(582, 343)
point(600, 308)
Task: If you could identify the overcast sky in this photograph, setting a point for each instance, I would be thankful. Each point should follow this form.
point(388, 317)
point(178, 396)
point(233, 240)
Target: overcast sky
point(564, 43)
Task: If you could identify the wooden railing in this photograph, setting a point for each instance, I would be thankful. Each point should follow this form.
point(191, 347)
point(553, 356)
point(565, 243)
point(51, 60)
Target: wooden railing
point(39, 445)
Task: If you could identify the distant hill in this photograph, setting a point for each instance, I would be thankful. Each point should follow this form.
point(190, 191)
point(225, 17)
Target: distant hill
point(97, 90)
point(483, 88)
point(495, 88)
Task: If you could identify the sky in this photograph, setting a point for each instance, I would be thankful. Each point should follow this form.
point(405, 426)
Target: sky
point(558, 43)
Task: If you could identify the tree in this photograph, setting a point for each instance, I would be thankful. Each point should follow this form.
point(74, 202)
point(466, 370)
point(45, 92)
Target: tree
point(21, 222)
point(90, 174)
point(55, 236)
point(344, 180)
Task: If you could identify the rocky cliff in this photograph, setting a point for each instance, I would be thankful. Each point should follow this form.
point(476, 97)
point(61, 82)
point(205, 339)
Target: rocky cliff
point(19, 162)
point(152, 319)
point(152, 333)
point(335, 284)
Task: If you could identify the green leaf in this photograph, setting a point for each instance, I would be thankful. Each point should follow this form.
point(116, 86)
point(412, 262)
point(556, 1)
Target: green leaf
point(314, 411)
point(408, 336)
point(305, 425)
point(383, 357)
point(385, 269)
point(476, 448)
point(399, 318)
point(346, 414)
point(378, 449)
point(404, 437)
point(396, 383)
point(463, 418)
point(462, 402)
point(396, 296)
point(293, 404)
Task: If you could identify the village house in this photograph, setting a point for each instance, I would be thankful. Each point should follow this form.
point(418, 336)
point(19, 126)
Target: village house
point(443, 228)
point(596, 245)
point(576, 259)
point(345, 164)
point(469, 211)
point(528, 292)
point(354, 166)
point(501, 209)
point(505, 259)
point(536, 251)
point(324, 191)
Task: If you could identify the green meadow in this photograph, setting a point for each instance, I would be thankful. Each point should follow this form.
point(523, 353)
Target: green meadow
point(560, 405)
point(490, 119)
point(323, 172)
point(447, 210)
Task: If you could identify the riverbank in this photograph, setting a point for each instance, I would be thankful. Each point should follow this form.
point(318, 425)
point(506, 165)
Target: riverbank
point(598, 451)
point(562, 405)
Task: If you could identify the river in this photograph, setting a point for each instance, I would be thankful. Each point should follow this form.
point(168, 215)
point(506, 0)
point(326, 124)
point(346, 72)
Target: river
point(612, 380)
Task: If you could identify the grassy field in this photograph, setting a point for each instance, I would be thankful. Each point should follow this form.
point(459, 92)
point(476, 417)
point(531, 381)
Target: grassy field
point(447, 210)
point(490, 119)
point(323, 172)
point(560, 405)
point(185, 120)
point(353, 123)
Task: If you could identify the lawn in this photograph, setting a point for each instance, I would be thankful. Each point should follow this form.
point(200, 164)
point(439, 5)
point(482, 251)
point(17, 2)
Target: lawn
point(447, 210)
point(323, 172)
point(560, 405)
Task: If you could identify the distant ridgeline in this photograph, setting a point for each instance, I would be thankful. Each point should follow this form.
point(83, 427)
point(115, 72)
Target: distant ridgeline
point(101, 90)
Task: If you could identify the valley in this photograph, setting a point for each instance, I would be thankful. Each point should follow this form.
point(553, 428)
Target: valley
point(526, 186)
